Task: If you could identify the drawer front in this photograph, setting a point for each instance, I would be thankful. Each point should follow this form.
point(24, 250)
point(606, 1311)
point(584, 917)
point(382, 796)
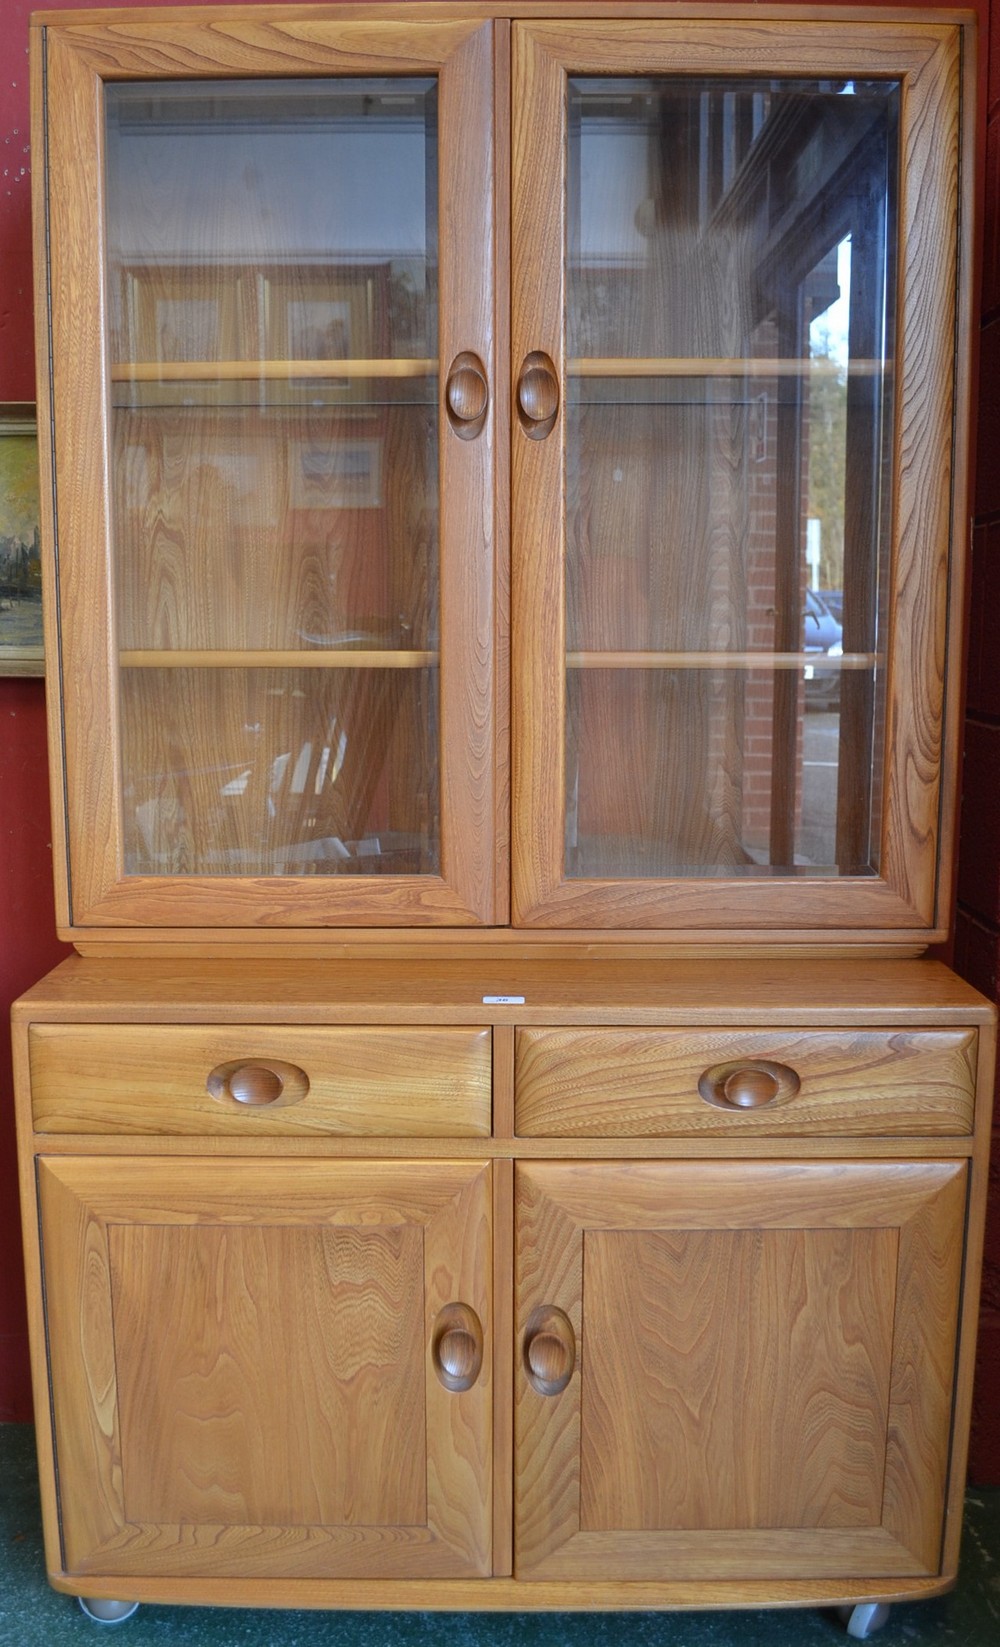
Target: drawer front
point(237, 1080)
point(637, 1083)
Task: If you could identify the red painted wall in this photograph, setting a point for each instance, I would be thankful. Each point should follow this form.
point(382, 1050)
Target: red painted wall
point(977, 924)
point(28, 945)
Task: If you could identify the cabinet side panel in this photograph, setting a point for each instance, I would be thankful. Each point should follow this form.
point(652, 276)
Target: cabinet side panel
point(46, 459)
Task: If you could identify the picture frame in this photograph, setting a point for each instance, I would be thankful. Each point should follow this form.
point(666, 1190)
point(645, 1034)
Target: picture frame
point(22, 650)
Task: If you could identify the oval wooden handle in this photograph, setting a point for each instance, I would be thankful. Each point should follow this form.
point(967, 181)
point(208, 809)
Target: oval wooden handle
point(537, 395)
point(748, 1085)
point(549, 1349)
point(467, 395)
point(257, 1082)
point(457, 1346)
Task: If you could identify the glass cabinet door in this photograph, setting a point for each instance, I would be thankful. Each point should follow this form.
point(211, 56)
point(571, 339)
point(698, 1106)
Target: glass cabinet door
point(298, 586)
point(729, 573)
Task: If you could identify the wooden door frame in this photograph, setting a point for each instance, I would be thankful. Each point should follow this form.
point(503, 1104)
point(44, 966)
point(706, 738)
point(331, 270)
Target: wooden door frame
point(70, 64)
point(907, 899)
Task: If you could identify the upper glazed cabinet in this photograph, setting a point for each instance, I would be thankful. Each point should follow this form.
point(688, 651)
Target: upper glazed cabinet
point(275, 327)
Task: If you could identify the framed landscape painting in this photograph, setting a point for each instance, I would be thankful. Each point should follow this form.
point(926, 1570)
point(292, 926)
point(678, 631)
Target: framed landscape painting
point(21, 649)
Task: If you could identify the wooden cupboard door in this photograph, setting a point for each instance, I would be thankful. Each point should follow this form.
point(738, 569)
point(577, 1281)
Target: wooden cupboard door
point(737, 1371)
point(270, 1369)
point(273, 479)
point(733, 354)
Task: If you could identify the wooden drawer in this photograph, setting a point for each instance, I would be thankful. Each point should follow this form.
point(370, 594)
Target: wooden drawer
point(640, 1083)
point(154, 1078)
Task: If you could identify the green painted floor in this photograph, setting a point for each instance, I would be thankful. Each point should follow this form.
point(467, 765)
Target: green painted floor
point(32, 1615)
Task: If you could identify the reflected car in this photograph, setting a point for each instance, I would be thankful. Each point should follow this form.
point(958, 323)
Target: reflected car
point(822, 636)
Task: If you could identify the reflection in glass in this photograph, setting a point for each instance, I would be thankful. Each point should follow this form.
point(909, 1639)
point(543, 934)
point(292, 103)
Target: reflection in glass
point(272, 298)
point(252, 771)
point(730, 336)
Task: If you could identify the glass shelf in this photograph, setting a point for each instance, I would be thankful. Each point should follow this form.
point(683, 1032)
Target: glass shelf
point(218, 371)
point(733, 366)
point(721, 660)
point(345, 657)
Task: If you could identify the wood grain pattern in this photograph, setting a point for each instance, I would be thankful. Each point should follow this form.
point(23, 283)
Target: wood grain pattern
point(217, 1427)
point(122, 1080)
point(508, 1594)
point(755, 1370)
point(310, 40)
point(925, 558)
point(242, 1378)
point(819, 1242)
point(979, 1191)
point(468, 478)
point(661, 991)
point(966, 341)
point(504, 1080)
point(88, 755)
point(436, 10)
point(502, 476)
point(538, 190)
point(632, 1083)
point(46, 496)
point(503, 1372)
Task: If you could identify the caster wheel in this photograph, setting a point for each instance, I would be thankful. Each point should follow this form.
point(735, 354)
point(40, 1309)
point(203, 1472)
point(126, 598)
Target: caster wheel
point(863, 1620)
point(107, 1612)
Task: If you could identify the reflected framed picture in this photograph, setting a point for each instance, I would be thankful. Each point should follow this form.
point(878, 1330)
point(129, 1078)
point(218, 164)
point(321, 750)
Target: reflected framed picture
point(314, 318)
point(21, 646)
point(336, 474)
point(173, 313)
point(319, 328)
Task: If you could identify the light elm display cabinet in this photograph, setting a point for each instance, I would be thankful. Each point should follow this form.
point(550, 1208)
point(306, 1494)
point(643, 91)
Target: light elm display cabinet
point(501, 1142)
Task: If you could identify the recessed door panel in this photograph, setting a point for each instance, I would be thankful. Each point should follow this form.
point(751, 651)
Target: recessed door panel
point(735, 1371)
point(254, 1366)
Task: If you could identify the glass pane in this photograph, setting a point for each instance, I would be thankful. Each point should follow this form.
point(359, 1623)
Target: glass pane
point(272, 299)
point(280, 771)
point(730, 337)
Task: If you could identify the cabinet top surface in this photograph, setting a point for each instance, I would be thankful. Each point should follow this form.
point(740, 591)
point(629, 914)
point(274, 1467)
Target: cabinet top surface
point(788, 991)
point(436, 10)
